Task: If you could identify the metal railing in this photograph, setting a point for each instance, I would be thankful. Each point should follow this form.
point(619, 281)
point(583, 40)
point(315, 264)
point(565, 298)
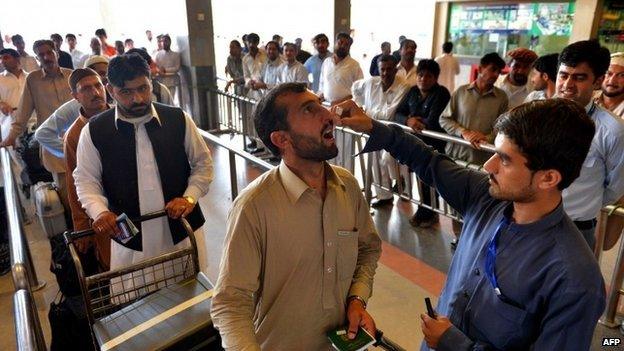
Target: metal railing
point(28, 332)
point(231, 120)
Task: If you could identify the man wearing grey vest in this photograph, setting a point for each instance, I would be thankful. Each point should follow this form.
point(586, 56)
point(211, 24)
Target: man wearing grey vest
point(137, 158)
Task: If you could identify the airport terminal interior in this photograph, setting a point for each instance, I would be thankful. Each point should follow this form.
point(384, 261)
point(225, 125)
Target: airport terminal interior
point(216, 60)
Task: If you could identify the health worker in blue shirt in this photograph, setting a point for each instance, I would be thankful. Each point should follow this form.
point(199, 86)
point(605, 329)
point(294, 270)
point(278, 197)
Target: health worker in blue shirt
point(522, 276)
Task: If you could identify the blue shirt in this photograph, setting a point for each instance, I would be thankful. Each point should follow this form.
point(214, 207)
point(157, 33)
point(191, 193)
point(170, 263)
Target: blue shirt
point(50, 132)
point(602, 176)
point(552, 289)
point(313, 65)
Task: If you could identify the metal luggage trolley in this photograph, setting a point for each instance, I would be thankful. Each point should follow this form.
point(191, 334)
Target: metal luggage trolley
point(161, 303)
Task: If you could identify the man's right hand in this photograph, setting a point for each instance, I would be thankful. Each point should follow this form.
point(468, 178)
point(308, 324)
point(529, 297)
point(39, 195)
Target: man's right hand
point(106, 225)
point(5, 108)
point(475, 138)
point(416, 123)
point(349, 114)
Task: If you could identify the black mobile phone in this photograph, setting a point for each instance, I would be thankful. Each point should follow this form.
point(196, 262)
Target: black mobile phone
point(430, 310)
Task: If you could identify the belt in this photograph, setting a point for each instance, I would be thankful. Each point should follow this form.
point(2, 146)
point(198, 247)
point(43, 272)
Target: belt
point(586, 225)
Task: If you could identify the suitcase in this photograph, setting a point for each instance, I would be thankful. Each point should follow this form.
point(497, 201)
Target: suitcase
point(49, 209)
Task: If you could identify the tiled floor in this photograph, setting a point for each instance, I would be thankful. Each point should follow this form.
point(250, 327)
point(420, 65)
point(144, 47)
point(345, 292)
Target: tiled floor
point(413, 264)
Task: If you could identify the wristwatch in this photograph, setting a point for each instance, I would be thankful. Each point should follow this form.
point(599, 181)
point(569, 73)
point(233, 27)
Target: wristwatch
point(355, 297)
point(190, 200)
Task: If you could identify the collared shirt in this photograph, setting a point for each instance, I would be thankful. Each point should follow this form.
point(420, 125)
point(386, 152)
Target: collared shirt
point(449, 68)
point(617, 110)
point(291, 266)
point(552, 291)
point(78, 58)
point(379, 104)
point(169, 64)
point(601, 181)
point(336, 79)
point(515, 94)
point(409, 77)
point(50, 133)
point(88, 172)
point(313, 65)
point(253, 68)
point(272, 72)
point(29, 63)
point(536, 95)
point(234, 69)
point(43, 94)
point(469, 109)
point(294, 72)
point(11, 88)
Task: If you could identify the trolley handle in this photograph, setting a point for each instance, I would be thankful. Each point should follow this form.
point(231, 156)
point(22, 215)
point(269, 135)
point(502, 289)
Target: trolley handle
point(72, 236)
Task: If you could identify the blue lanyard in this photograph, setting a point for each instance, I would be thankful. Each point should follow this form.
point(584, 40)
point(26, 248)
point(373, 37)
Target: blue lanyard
point(490, 258)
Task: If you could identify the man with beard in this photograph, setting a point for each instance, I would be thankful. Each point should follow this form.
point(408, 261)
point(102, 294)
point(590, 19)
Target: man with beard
point(582, 68)
point(543, 77)
point(522, 277)
point(29, 63)
point(168, 62)
point(515, 82)
point(272, 70)
point(301, 249)
point(473, 110)
point(137, 158)
point(338, 74)
point(407, 67)
point(380, 96)
point(253, 66)
point(314, 63)
point(612, 95)
point(64, 58)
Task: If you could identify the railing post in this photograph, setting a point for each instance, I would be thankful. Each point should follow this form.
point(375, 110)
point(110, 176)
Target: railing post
point(233, 179)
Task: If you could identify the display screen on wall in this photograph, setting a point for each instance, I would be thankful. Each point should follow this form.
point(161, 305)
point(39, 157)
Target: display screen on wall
point(482, 28)
point(611, 31)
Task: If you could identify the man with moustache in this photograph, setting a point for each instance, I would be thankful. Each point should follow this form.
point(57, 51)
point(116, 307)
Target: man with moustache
point(29, 63)
point(473, 110)
point(407, 66)
point(611, 96)
point(314, 63)
point(515, 82)
point(272, 70)
point(88, 90)
point(380, 96)
point(137, 158)
point(46, 89)
point(522, 277)
point(582, 68)
point(301, 249)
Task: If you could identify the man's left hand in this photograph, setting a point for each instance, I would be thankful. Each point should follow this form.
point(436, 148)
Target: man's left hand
point(434, 328)
point(179, 207)
point(358, 317)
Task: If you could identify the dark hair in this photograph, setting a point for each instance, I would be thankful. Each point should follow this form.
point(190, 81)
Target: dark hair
point(17, 37)
point(277, 37)
point(385, 43)
point(70, 36)
point(270, 117)
point(42, 42)
point(127, 67)
point(430, 66)
point(11, 52)
point(253, 37)
point(56, 36)
point(548, 64)
point(407, 41)
point(492, 59)
point(236, 42)
point(272, 42)
point(165, 36)
point(589, 51)
point(387, 58)
point(447, 47)
point(141, 52)
point(128, 41)
point(320, 37)
point(100, 31)
point(551, 134)
point(291, 45)
point(343, 35)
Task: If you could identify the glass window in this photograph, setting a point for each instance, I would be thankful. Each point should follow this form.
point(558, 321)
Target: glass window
point(476, 30)
point(611, 32)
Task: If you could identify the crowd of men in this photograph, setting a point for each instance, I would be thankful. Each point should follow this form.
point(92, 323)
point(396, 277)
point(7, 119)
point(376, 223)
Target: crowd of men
point(301, 248)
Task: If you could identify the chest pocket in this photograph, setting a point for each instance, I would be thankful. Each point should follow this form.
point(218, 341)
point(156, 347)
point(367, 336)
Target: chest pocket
point(490, 319)
point(347, 253)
